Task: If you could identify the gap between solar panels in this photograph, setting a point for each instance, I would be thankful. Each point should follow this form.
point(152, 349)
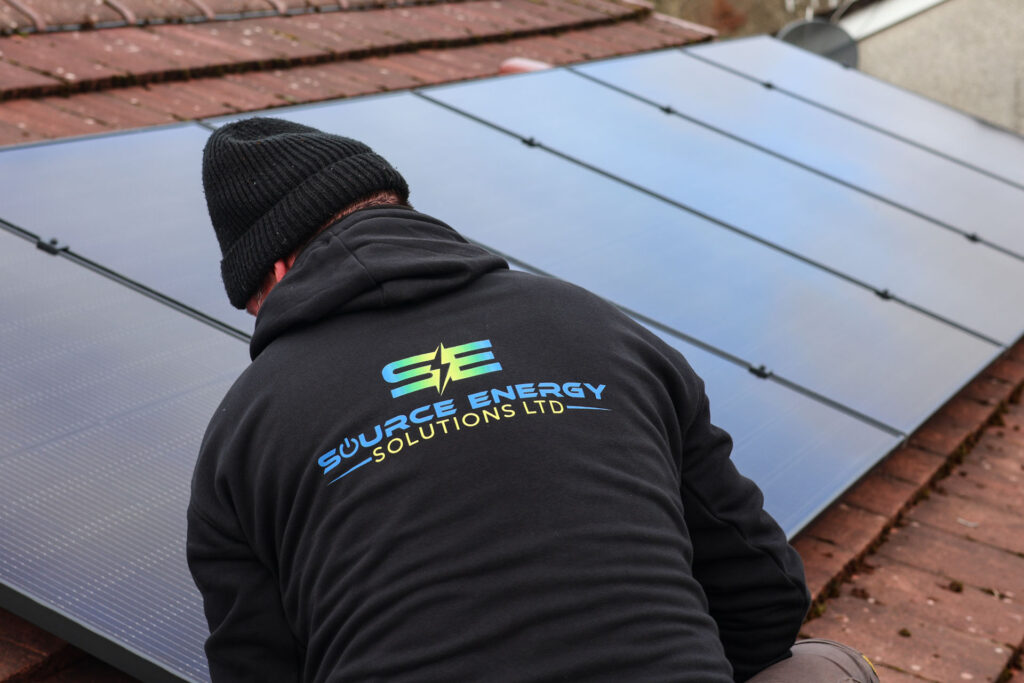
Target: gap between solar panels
point(95, 259)
point(812, 138)
point(131, 203)
point(773, 64)
point(882, 293)
point(934, 303)
point(589, 203)
point(558, 97)
point(670, 110)
point(759, 371)
point(860, 122)
point(56, 248)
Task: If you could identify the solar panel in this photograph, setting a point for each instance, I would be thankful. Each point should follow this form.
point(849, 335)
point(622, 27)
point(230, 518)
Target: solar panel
point(132, 202)
point(895, 250)
point(902, 113)
point(783, 440)
point(106, 394)
point(875, 243)
point(664, 263)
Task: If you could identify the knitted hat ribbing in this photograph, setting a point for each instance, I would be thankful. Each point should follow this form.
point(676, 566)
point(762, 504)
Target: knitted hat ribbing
point(270, 184)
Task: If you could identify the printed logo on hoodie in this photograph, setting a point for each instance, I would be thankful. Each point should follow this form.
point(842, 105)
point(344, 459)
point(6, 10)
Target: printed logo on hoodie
point(437, 368)
point(444, 418)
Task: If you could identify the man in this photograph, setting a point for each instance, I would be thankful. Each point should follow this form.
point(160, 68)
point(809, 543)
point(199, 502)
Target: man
point(437, 469)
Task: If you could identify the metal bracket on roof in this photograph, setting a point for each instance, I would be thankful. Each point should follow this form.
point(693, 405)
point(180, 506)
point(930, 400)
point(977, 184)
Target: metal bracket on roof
point(760, 371)
point(52, 247)
point(884, 293)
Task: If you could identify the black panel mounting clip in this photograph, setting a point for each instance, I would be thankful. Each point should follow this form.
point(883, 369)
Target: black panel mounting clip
point(52, 247)
point(760, 371)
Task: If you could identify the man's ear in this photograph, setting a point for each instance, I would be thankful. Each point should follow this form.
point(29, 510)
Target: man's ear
point(282, 266)
point(280, 269)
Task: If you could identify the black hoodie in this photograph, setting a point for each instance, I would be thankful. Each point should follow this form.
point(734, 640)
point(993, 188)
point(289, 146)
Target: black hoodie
point(437, 469)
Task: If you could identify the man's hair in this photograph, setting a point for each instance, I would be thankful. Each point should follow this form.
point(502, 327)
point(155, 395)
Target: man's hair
point(382, 198)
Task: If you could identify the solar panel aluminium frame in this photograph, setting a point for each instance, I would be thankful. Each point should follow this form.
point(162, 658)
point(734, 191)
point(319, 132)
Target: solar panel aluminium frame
point(66, 627)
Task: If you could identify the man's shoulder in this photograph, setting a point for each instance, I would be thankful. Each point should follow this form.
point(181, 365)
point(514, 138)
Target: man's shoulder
point(550, 292)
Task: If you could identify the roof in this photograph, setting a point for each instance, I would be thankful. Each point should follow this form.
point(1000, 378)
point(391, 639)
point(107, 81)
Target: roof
point(157, 61)
point(926, 540)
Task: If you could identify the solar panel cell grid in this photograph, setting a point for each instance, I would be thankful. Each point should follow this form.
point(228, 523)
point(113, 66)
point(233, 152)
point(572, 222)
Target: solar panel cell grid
point(105, 398)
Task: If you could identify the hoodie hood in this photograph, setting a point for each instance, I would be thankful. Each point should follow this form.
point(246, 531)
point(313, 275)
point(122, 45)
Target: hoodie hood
point(374, 258)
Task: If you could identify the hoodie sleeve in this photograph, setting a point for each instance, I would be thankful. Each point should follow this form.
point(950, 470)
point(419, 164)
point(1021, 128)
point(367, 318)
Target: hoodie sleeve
point(249, 637)
point(753, 578)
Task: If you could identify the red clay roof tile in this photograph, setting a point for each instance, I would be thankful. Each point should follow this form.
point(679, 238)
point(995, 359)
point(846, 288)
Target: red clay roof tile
point(41, 118)
point(84, 60)
point(924, 593)
point(11, 19)
point(20, 81)
point(25, 649)
point(57, 13)
point(204, 55)
point(433, 69)
point(977, 477)
point(908, 641)
point(58, 55)
point(978, 520)
point(824, 563)
point(236, 7)
point(881, 494)
point(12, 133)
point(913, 465)
point(145, 11)
point(110, 111)
point(180, 103)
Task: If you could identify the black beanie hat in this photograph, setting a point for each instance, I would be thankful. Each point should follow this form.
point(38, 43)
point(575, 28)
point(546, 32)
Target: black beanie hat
point(270, 184)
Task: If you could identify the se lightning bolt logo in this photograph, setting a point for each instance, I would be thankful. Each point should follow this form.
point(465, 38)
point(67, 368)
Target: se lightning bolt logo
point(437, 368)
